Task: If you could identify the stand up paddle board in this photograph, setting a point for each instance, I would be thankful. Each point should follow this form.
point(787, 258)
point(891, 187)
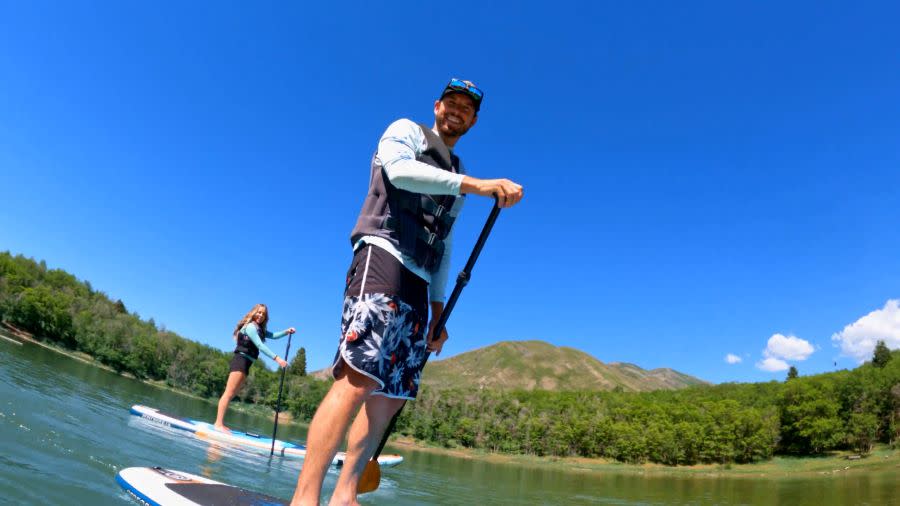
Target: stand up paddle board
point(246, 440)
point(156, 486)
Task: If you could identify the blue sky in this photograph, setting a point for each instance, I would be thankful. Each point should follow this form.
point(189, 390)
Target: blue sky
point(701, 178)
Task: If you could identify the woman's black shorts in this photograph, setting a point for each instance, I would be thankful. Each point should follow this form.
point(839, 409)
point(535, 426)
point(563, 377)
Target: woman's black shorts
point(240, 363)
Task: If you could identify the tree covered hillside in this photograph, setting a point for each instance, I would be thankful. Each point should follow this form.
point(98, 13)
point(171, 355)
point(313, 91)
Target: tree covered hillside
point(56, 307)
point(846, 410)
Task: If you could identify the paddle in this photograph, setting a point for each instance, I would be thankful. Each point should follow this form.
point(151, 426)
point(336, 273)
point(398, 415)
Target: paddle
point(280, 388)
point(371, 475)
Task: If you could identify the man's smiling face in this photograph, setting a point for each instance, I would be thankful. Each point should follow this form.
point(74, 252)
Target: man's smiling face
point(454, 114)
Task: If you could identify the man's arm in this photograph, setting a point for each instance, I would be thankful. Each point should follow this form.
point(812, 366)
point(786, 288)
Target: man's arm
point(508, 192)
point(437, 289)
point(397, 151)
point(435, 345)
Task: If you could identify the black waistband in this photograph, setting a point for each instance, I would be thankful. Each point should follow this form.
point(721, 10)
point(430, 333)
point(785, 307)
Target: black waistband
point(385, 274)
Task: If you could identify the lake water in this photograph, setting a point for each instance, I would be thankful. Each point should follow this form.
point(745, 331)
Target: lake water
point(65, 431)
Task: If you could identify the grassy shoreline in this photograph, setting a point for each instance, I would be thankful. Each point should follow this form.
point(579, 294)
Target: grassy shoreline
point(882, 458)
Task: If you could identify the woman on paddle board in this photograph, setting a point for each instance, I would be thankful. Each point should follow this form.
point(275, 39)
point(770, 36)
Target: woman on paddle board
point(250, 335)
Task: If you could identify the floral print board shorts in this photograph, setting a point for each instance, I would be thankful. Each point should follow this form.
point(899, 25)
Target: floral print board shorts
point(383, 338)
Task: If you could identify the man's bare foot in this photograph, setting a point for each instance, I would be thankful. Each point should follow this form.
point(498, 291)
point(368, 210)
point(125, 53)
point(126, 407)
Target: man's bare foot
point(222, 428)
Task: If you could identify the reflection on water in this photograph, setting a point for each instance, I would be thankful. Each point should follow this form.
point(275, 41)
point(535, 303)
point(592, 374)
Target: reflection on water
point(65, 430)
point(214, 454)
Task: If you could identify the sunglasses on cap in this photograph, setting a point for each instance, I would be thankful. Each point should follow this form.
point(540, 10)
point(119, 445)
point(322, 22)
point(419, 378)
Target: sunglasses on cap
point(458, 85)
point(466, 87)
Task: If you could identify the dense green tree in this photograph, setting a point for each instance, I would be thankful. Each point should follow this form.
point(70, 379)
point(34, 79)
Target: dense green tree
point(810, 417)
point(297, 366)
point(882, 354)
point(44, 313)
point(862, 431)
point(792, 373)
point(893, 429)
point(306, 393)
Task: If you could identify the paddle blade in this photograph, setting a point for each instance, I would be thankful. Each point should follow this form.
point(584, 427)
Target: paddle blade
point(371, 477)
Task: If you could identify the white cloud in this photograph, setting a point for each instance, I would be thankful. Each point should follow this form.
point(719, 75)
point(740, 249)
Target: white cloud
point(781, 348)
point(787, 348)
point(772, 364)
point(731, 358)
point(858, 339)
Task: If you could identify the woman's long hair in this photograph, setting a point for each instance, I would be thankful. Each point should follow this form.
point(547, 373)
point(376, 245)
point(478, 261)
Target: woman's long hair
point(249, 317)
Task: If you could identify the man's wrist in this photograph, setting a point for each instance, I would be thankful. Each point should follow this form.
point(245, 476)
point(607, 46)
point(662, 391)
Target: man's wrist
point(469, 184)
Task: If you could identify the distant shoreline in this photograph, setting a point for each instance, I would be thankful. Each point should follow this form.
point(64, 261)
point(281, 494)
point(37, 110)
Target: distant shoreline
point(11, 333)
point(883, 458)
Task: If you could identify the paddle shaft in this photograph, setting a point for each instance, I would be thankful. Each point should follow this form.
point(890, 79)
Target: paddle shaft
point(280, 389)
point(461, 281)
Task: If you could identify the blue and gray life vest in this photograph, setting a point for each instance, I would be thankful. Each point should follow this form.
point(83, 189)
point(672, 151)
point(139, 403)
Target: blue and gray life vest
point(245, 344)
point(415, 223)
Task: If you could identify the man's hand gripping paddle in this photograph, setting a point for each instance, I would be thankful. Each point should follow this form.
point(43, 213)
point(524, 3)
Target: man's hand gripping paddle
point(371, 476)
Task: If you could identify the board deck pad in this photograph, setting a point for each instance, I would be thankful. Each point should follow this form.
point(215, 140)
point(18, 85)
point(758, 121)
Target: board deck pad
point(157, 486)
point(220, 493)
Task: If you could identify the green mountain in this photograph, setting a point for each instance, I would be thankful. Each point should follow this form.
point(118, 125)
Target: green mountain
point(537, 365)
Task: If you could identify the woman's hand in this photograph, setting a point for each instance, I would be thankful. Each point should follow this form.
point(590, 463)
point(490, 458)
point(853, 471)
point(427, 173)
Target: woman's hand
point(291, 330)
point(281, 362)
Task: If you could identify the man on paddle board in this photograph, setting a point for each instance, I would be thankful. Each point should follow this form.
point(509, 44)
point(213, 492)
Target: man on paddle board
point(401, 243)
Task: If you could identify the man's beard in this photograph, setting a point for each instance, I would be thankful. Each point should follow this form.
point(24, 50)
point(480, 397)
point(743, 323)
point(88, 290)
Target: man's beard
point(453, 131)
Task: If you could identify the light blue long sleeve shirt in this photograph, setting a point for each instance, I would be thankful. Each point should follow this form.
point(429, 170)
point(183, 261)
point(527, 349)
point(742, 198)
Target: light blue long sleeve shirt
point(252, 331)
point(397, 150)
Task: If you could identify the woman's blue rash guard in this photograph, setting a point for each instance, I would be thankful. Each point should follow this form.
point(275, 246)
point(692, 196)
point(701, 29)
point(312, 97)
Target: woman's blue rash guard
point(252, 331)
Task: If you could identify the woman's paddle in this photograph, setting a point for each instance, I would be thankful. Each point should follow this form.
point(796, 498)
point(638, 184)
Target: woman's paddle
point(280, 388)
point(371, 476)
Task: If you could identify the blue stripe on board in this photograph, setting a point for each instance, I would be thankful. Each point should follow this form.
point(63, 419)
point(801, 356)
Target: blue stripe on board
point(199, 424)
point(246, 435)
point(135, 492)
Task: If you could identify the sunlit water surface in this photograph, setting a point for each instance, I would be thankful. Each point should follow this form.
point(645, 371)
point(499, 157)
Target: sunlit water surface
point(65, 430)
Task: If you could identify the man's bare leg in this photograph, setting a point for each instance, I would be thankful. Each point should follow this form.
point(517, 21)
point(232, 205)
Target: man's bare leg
point(327, 430)
point(365, 435)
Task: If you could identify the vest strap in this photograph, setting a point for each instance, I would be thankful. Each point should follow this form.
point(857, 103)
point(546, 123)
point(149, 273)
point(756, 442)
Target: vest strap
point(432, 244)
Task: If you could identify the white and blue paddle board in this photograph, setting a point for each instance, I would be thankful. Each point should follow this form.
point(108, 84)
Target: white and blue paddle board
point(240, 439)
point(156, 486)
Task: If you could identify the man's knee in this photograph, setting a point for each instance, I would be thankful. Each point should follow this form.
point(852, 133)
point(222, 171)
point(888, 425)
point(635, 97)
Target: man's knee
point(381, 406)
point(356, 381)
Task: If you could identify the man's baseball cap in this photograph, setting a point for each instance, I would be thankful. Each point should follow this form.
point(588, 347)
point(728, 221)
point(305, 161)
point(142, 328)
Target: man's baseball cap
point(466, 87)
